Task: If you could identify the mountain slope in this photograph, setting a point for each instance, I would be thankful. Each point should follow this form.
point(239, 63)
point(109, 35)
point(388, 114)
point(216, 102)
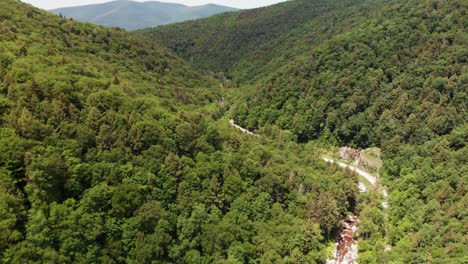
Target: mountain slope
point(136, 15)
point(243, 44)
point(114, 150)
point(393, 76)
point(397, 80)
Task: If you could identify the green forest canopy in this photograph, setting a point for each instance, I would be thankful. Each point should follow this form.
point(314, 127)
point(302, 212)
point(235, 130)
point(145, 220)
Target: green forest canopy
point(368, 73)
point(113, 149)
point(111, 152)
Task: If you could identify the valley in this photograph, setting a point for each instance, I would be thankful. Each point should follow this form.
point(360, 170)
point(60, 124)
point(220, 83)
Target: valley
point(217, 140)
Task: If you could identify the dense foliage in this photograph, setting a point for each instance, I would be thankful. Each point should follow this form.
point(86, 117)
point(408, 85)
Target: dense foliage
point(114, 150)
point(245, 45)
point(369, 88)
point(393, 74)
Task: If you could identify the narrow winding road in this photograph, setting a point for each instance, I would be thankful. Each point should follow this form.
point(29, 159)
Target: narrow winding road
point(346, 247)
point(233, 123)
point(368, 176)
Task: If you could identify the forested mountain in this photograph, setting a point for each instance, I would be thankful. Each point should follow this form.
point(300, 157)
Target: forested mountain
point(115, 150)
point(249, 44)
point(366, 73)
point(137, 15)
point(115, 146)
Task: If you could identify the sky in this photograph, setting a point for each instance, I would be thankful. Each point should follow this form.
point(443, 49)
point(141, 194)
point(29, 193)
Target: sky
point(51, 4)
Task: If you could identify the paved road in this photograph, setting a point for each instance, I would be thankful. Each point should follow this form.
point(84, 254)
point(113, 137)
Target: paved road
point(368, 176)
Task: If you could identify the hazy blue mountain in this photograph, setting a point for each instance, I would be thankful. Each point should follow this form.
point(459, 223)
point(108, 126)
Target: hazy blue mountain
point(136, 15)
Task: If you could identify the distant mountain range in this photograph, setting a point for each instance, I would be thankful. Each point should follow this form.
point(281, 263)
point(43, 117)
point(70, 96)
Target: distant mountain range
point(137, 15)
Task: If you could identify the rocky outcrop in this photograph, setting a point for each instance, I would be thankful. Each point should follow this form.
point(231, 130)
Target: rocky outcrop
point(349, 154)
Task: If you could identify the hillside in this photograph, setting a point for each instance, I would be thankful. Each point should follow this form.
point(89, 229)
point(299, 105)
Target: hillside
point(115, 150)
point(377, 73)
point(137, 15)
point(247, 45)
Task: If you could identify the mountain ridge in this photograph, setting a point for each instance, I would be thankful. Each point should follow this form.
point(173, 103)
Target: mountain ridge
point(136, 15)
point(231, 42)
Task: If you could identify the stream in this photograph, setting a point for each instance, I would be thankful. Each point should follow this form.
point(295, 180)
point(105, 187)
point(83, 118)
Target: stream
point(346, 247)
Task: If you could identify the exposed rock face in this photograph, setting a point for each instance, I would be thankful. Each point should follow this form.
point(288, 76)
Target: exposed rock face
point(349, 154)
